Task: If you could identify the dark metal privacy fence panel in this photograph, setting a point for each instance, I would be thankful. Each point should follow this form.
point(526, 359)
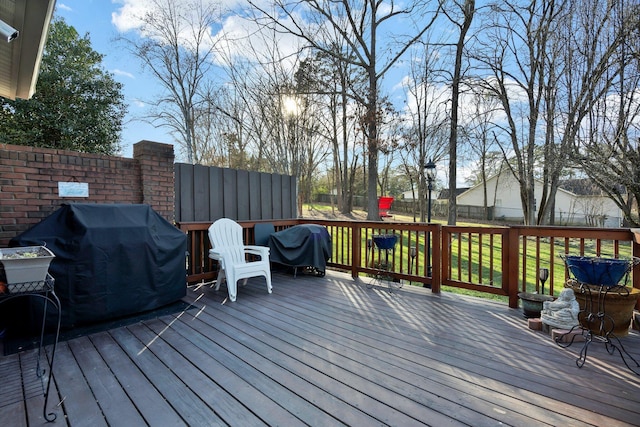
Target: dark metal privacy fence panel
point(206, 193)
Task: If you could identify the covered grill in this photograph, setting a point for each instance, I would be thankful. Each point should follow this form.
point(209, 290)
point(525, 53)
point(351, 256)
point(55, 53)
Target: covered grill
point(303, 245)
point(112, 260)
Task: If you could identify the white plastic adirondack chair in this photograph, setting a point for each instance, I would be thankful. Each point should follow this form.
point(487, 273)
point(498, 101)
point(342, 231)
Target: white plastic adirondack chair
point(229, 249)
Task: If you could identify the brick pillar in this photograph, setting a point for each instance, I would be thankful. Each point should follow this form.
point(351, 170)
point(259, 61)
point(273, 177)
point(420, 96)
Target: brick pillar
point(157, 176)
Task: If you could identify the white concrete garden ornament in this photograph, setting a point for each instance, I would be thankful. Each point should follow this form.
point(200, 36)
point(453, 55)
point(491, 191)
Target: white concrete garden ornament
point(561, 313)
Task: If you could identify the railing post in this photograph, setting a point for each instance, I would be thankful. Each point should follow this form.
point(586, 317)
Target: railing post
point(356, 250)
point(510, 262)
point(445, 254)
point(635, 276)
point(436, 264)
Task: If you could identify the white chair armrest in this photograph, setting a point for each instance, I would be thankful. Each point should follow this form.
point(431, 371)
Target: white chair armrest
point(220, 255)
point(214, 254)
point(262, 251)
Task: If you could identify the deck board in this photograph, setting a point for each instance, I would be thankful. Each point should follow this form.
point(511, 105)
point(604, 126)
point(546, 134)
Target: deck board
point(320, 349)
point(393, 357)
point(294, 367)
point(399, 370)
point(150, 403)
point(82, 405)
point(329, 351)
point(239, 354)
point(113, 401)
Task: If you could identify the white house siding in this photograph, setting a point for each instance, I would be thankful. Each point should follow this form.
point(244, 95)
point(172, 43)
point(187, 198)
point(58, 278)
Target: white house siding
point(506, 201)
point(593, 210)
point(571, 209)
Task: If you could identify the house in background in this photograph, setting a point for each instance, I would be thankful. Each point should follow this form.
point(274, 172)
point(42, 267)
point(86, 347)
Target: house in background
point(578, 202)
point(435, 194)
point(409, 195)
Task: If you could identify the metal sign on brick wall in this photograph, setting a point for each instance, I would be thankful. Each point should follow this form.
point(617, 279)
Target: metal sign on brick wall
point(73, 189)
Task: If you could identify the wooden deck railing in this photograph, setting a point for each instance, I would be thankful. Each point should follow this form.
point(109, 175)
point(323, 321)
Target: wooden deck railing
point(496, 260)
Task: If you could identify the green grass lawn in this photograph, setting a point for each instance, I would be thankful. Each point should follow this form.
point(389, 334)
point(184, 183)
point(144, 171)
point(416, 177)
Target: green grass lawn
point(470, 254)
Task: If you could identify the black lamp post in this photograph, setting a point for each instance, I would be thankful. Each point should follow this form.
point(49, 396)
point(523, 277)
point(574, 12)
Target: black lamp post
point(430, 169)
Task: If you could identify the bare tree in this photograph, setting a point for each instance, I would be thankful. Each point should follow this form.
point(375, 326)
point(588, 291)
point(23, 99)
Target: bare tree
point(277, 109)
point(176, 46)
point(390, 131)
point(242, 134)
point(222, 129)
point(424, 136)
point(551, 64)
point(467, 9)
point(512, 48)
point(587, 39)
point(360, 25)
point(482, 144)
point(337, 81)
point(608, 146)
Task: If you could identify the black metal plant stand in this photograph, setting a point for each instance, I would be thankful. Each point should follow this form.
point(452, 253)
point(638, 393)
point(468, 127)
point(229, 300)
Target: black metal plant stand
point(41, 289)
point(594, 322)
point(386, 243)
point(594, 317)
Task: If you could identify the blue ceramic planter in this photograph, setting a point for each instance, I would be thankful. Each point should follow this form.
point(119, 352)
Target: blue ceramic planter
point(385, 241)
point(598, 271)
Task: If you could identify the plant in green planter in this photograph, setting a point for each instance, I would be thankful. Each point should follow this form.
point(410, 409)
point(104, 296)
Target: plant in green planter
point(532, 303)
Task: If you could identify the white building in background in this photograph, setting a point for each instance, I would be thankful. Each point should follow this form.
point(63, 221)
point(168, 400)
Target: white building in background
point(578, 202)
point(409, 195)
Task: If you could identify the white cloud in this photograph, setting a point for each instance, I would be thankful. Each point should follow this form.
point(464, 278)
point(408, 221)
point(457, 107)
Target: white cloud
point(139, 103)
point(128, 16)
point(241, 38)
point(235, 36)
point(118, 72)
point(63, 6)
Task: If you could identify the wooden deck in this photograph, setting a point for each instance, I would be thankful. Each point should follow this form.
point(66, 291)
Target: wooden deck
point(329, 351)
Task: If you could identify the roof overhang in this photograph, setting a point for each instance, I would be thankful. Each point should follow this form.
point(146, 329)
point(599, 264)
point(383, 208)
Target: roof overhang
point(20, 58)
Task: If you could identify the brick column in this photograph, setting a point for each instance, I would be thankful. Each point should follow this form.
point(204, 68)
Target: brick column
point(157, 176)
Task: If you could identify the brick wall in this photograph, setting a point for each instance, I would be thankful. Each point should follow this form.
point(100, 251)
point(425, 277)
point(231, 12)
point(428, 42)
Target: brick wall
point(155, 161)
point(29, 179)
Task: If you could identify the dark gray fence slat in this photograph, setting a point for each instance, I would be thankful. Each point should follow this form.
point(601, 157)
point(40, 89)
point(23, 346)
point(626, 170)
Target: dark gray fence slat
point(243, 195)
point(229, 193)
point(186, 209)
point(276, 195)
point(266, 199)
point(201, 193)
point(255, 202)
point(216, 189)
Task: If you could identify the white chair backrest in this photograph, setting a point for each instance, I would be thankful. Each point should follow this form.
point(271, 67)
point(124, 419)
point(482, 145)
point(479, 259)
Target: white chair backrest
point(226, 234)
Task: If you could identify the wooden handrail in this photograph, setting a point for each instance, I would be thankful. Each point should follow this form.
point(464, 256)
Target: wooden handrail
point(495, 260)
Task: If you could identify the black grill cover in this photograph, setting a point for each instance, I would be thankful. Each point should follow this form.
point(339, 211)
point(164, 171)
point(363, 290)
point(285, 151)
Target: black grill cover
point(303, 245)
point(112, 260)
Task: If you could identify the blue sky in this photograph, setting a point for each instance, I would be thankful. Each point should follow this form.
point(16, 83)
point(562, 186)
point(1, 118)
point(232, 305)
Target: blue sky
point(98, 18)
point(102, 19)
point(95, 17)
